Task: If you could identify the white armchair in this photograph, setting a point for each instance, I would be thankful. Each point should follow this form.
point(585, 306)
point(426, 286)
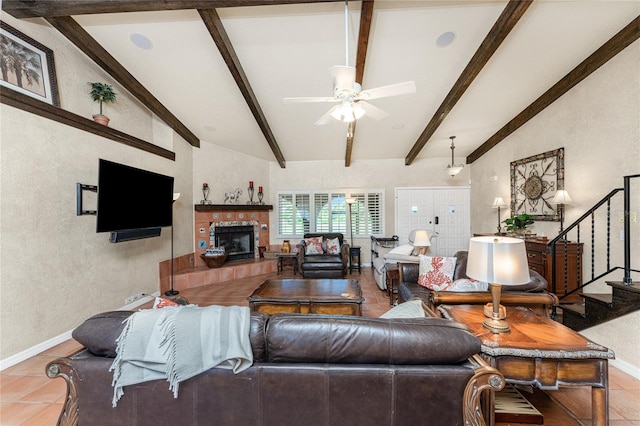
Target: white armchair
point(407, 253)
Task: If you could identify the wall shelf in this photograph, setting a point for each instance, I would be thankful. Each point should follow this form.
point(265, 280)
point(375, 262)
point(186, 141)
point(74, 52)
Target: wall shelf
point(43, 109)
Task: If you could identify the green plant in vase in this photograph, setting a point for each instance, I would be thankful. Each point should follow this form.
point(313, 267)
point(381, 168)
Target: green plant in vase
point(518, 224)
point(102, 92)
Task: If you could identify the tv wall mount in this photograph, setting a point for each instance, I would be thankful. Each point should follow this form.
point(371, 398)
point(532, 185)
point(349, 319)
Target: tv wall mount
point(80, 188)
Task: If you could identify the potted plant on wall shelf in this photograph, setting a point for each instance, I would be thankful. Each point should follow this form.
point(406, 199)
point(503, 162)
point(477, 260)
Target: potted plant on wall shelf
point(102, 92)
point(518, 224)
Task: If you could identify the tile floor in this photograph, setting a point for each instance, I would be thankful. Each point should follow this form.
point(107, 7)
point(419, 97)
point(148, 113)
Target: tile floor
point(28, 397)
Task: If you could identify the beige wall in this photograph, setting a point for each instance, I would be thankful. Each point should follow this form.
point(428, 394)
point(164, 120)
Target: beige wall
point(598, 124)
point(55, 269)
point(373, 174)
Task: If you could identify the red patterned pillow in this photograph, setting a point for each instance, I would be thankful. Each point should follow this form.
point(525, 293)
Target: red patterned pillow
point(163, 303)
point(436, 273)
point(333, 246)
point(313, 245)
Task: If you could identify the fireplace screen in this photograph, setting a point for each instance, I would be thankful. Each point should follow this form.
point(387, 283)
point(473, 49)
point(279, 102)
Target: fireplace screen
point(238, 241)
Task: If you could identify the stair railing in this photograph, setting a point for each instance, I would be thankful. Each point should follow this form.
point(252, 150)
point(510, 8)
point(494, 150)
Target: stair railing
point(590, 215)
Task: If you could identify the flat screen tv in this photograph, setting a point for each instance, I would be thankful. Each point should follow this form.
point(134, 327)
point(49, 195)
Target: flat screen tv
point(132, 199)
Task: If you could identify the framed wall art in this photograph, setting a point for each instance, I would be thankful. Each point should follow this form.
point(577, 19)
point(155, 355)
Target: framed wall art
point(27, 66)
point(534, 182)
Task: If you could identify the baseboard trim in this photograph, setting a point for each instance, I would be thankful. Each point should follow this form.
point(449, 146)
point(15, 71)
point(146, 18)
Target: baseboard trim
point(41, 347)
point(625, 367)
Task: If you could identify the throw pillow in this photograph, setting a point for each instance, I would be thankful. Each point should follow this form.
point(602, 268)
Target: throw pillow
point(436, 273)
point(313, 245)
point(333, 246)
point(404, 249)
point(410, 309)
point(467, 284)
point(163, 303)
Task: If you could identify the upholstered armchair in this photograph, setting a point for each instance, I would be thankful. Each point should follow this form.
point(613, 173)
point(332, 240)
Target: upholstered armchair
point(323, 255)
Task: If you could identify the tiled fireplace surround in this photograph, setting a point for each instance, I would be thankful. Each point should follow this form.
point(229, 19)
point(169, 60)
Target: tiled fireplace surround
point(191, 271)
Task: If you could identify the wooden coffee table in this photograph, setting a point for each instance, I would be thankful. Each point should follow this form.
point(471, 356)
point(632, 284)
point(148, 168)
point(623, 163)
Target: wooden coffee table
point(308, 296)
point(542, 352)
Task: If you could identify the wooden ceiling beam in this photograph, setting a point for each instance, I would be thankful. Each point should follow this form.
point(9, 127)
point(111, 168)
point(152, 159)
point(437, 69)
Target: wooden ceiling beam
point(68, 27)
point(508, 19)
point(60, 8)
point(611, 48)
point(214, 25)
point(366, 15)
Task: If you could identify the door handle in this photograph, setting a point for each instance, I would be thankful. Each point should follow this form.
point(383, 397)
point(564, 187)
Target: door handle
point(437, 220)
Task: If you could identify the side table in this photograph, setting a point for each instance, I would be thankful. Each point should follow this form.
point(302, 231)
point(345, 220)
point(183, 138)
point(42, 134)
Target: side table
point(542, 352)
point(354, 252)
point(393, 276)
point(291, 261)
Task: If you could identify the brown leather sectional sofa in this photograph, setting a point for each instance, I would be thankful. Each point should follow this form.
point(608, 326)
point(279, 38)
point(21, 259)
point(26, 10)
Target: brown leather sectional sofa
point(532, 294)
point(307, 370)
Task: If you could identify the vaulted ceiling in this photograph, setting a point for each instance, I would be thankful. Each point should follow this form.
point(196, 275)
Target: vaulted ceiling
point(217, 70)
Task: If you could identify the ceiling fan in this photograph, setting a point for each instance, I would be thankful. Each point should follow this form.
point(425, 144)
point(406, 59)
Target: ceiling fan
point(348, 94)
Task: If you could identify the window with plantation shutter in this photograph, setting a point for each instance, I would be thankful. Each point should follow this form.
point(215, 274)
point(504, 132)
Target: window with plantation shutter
point(300, 213)
point(293, 214)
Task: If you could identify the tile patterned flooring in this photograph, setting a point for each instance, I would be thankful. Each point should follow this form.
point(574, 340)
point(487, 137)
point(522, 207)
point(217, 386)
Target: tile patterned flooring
point(28, 397)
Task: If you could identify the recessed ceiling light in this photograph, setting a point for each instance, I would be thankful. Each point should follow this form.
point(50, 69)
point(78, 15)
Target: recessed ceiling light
point(445, 39)
point(397, 126)
point(210, 128)
point(141, 41)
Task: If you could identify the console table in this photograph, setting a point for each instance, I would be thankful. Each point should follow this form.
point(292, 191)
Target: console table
point(541, 262)
point(542, 352)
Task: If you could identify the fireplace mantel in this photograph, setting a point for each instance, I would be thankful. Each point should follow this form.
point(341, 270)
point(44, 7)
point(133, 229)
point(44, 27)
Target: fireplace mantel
point(218, 207)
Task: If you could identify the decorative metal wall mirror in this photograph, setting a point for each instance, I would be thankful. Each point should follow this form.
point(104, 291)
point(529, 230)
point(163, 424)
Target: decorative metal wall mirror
point(534, 181)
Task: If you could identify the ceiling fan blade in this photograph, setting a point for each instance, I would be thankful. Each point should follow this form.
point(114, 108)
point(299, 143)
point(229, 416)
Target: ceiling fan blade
point(373, 111)
point(388, 91)
point(343, 76)
point(308, 100)
point(326, 117)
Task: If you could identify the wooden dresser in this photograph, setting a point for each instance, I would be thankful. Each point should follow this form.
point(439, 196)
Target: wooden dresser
point(540, 261)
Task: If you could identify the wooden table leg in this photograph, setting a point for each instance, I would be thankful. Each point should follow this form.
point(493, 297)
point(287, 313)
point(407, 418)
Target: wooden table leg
point(600, 406)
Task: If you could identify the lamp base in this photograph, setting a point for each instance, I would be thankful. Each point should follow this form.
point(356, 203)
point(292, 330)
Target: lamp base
point(488, 311)
point(171, 292)
point(496, 326)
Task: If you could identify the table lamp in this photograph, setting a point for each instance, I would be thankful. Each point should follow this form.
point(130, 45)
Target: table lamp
point(561, 198)
point(498, 261)
point(349, 202)
point(422, 240)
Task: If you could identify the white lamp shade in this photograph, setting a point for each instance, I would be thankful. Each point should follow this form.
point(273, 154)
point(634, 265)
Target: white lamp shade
point(561, 197)
point(421, 239)
point(176, 195)
point(498, 202)
point(498, 260)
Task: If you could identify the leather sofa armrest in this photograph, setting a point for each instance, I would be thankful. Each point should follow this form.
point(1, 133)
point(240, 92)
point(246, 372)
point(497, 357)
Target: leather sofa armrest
point(540, 302)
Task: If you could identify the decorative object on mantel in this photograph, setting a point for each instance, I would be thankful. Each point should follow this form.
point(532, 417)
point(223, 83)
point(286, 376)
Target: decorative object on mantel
point(40, 82)
point(233, 197)
point(286, 247)
point(498, 203)
point(452, 169)
point(205, 194)
point(250, 192)
point(517, 225)
point(561, 198)
point(534, 181)
point(260, 195)
point(214, 257)
point(102, 93)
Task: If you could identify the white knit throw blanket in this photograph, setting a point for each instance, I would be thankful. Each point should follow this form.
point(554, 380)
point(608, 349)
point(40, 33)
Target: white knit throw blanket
point(177, 343)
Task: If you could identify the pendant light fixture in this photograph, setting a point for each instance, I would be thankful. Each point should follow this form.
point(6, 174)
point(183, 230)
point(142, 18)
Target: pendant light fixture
point(452, 169)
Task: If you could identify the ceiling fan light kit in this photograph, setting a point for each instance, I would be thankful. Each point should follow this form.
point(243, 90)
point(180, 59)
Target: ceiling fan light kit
point(452, 169)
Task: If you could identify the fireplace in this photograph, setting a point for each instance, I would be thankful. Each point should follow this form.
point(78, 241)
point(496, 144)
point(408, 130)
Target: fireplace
point(238, 241)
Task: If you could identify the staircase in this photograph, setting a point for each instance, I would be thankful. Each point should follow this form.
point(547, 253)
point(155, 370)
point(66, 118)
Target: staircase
point(601, 307)
point(624, 296)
